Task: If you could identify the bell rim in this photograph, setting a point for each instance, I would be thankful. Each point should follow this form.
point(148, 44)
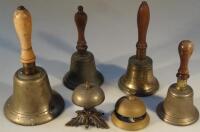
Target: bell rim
point(130, 126)
point(71, 84)
point(135, 91)
point(175, 121)
point(49, 114)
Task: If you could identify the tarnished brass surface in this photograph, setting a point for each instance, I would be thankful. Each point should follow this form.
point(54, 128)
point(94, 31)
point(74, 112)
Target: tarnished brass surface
point(33, 102)
point(82, 66)
point(130, 113)
point(88, 95)
point(82, 69)
point(139, 78)
point(130, 126)
point(178, 108)
point(130, 106)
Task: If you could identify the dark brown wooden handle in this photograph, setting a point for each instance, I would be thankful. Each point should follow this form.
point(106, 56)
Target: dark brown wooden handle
point(81, 21)
point(142, 23)
point(185, 51)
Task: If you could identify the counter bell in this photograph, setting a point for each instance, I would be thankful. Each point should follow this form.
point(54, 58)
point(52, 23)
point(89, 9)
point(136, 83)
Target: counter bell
point(130, 113)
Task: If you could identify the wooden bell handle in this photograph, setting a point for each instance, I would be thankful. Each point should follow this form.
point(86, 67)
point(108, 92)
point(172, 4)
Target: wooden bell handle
point(143, 17)
point(23, 27)
point(185, 51)
point(81, 21)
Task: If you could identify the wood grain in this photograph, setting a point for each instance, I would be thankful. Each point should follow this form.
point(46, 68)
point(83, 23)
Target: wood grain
point(142, 23)
point(81, 21)
point(23, 27)
point(185, 49)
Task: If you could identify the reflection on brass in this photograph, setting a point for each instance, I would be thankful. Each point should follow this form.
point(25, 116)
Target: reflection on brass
point(82, 66)
point(33, 102)
point(139, 78)
point(88, 96)
point(178, 107)
point(130, 113)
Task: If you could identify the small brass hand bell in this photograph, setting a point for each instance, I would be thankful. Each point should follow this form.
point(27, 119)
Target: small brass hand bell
point(88, 96)
point(139, 78)
point(33, 102)
point(130, 113)
point(178, 107)
point(82, 66)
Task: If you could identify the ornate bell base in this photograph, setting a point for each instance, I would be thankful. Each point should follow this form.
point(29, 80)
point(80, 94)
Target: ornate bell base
point(33, 102)
point(173, 120)
point(35, 118)
point(88, 117)
point(139, 79)
point(82, 69)
point(130, 126)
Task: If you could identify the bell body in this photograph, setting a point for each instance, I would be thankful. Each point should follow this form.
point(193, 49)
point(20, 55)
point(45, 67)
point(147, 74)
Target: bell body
point(82, 69)
point(139, 78)
point(33, 102)
point(178, 107)
point(130, 114)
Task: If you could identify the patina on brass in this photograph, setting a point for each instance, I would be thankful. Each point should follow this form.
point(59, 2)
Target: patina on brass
point(88, 96)
point(82, 66)
point(130, 113)
point(33, 102)
point(178, 107)
point(139, 78)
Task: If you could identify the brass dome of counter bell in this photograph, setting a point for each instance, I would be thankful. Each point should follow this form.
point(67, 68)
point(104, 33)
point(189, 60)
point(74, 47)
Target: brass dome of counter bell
point(130, 113)
point(178, 107)
point(88, 96)
point(33, 102)
point(82, 66)
point(139, 78)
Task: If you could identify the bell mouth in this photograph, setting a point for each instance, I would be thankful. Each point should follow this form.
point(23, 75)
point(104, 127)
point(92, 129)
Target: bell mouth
point(129, 124)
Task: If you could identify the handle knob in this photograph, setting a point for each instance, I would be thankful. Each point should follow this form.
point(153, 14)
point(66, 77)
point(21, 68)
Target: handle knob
point(185, 51)
point(23, 27)
point(81, 21)
point(142, 23)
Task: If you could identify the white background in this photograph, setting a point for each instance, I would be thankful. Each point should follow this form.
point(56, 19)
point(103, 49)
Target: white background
point(111, 35)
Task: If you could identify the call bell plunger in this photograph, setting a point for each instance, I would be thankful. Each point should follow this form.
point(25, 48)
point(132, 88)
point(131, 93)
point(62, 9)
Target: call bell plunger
point(33, 102)
point(88, 96)
point(82, 66)
point(178, 107)
point(130, 113)
point(139, 78)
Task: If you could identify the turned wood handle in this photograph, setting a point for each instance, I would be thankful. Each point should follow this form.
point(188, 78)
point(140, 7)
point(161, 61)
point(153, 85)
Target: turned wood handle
point(23, 27)
point(185, 51)
point(81, 21)
point(142, 23)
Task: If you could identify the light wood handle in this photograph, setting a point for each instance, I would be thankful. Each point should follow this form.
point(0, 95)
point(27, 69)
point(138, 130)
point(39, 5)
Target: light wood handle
point(23, 27)
point(185, 51)
point(142, 23)
point(81, 21)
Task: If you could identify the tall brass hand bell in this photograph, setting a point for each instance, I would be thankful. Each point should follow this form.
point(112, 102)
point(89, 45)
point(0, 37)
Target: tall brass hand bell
point(178, 107)
point(33, 102)
point(139, 78)
point(82, 66)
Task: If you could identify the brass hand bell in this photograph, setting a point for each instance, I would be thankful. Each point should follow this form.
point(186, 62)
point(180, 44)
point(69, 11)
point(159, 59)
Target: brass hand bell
point(139, 78)
point(33, 102)
point(130, 113)
point(88, 96)
point(82, 66)
point(178, 107)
